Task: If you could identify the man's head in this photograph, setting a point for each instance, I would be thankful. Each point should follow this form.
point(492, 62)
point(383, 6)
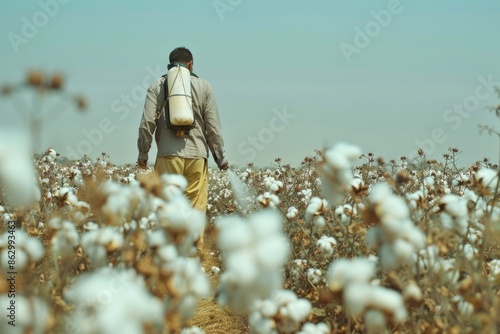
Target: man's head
point(183, 56)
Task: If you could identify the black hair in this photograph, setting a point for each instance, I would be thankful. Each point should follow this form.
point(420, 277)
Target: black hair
point(180, 55)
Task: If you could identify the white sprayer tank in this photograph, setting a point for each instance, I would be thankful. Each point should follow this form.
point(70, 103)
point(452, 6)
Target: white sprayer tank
point(180, 102)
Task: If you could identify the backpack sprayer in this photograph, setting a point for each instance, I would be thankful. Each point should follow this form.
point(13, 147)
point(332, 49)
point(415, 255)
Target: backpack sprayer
point(179, 113)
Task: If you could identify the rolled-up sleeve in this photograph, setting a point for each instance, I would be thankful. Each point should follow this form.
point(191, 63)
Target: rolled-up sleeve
point(148, 122)
point(213, 127)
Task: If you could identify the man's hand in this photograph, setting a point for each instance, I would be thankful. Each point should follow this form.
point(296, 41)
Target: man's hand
point(224, 166)
point(142, 164)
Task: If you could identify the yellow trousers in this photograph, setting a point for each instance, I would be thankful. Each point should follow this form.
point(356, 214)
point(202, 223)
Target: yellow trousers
point(196, 173)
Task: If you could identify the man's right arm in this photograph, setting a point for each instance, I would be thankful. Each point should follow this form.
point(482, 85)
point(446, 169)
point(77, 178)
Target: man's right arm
point(148, 124)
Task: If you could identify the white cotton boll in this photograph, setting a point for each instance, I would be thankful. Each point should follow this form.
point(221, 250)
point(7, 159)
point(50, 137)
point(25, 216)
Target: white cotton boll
point(192, 330)
point(375, 321)
point(242, 266)
point(90, 226)
point(167, 253)
point(215, 270)
point(380, 192)
point(68, 193)
point(267, 307)
point(448, 268)
point(392, 208)
point(319, 221)
point(404, 252)
point(156, 239)
point(453, 205)
point(494, 266)
point(343, 272)
point(465, 308)
point(356, 298)
point(292, 212)
point(272, 251)
point(297, 311)
point(341, 153)
point(307, 193)
point(388, 300)
point(470, 195)
point(116, 299)
point(413, 292)
point(487, 177)
point(475, 236)
point(310, 328)
point(326, 244)
point(314, 276)
point(233, 233)
point(429, 181)
point(34, 248)
point(415, 236)
point(188, 278)
point(176, 180)
point(260, 324)
point(469, 251)
point(265, 223)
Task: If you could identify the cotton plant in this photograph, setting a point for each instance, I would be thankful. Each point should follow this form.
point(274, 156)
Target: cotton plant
point(315, 212)
point(182, 224)
point(100, 242)
point(273, 185)
point(268, 199)
point(283, 312)
point(298, 268)
point(326, 245)
point(255, 251)
point(378, 306)
point(428, 261)
point(336, 171)
point(396, 238)
point(487, 178)
point(111, 300)
point(344, 213)
point(454, 213)
point(187, 282)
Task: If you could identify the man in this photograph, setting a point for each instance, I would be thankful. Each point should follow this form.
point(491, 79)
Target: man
point(185, 155)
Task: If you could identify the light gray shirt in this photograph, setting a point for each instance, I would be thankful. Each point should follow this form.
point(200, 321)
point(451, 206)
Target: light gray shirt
point(206, 135)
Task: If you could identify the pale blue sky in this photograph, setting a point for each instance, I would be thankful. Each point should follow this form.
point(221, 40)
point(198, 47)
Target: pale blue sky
point(262, 57)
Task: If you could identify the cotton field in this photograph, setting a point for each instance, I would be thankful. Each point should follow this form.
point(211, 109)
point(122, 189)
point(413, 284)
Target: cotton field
point(344, 243)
